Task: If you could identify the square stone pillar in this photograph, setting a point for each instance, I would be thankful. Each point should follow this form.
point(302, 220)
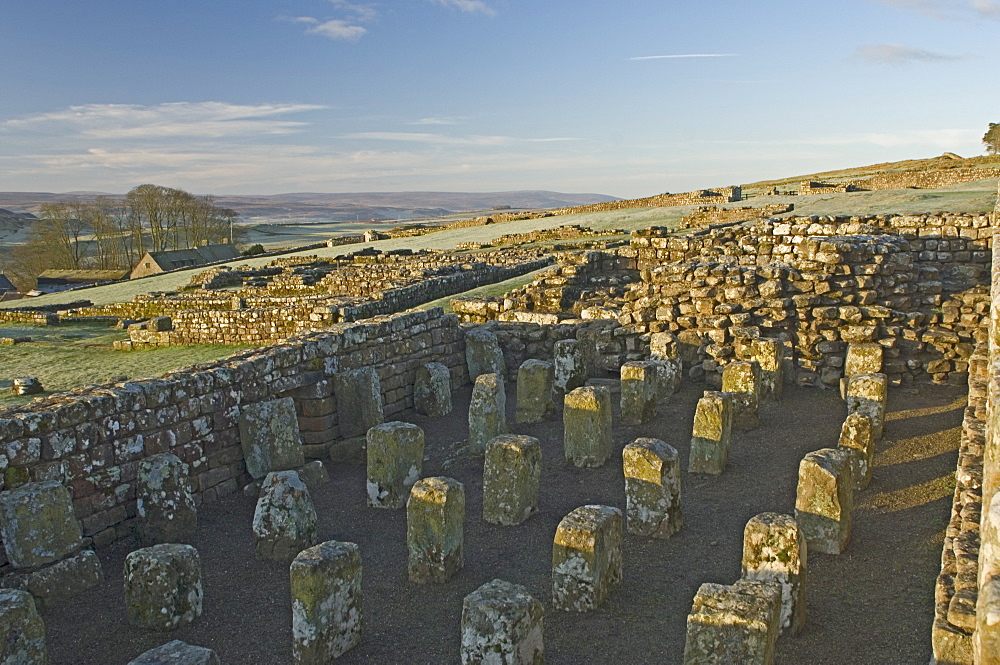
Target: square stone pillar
point(742, 379)
point(857, 436)
point(664, 352)
point(534, 391)
point(711, 433)
point(824, 500)
point(867, 393)
point(487, 411)
point(395, 453)
point(570, 369)
point(37, 524)
point(652, 488)
point(359, 401)
point(586, 558)
point(502, 625)
point(587, 426)
point(164, 501)
point(483, 354)
point(769, 354)
point(638, 382)
point(326, 602)
point(432, 390)
point(863, 358)
point(163, 587)
point(511, 476)
point(269, 436)
point(284, 521)
point(22, 632)
point(435, 529)
point(774, 550)
point(733, 624)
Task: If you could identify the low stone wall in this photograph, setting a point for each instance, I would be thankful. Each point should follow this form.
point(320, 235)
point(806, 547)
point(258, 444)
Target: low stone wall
point(93, 439)
point(710, 215)
point(925, 179)
point(28, 316)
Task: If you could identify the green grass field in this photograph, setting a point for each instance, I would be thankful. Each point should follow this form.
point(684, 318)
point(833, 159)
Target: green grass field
point(72, 355)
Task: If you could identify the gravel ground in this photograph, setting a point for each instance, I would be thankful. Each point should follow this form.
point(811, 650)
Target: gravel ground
point(872, 604)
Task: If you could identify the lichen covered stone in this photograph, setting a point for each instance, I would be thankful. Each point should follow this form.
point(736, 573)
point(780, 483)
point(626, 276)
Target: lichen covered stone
point(395, 453)
point(432, 390)
point(511, 475)
point(711, 433)
point(587, 441)
point(769, 354)
point(59, 581)
point(824, 500)
point(177, 653)
point(502, 625)
point(284, 522)
point(664, 353)
point(867, 393)
point(37, 524)
point(857, 436)
point(269, 436)
point(774, 550)
point(586, 558)
point(166, 508)
point(359, 401)
point(652, 488)
point(534, 391)
point(733, 624)
point(326, 602)
point(163, 588)
point(639, 394)
point(487, 411)
point(569, 367)
point(435, 530)
point(863, 358)
point(483, 354)
point(22, 632)
point(742, 381)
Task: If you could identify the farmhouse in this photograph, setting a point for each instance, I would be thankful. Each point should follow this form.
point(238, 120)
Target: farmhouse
point(156, 262)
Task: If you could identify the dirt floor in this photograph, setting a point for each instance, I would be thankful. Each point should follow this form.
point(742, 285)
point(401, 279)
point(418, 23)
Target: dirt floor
point(872, 604)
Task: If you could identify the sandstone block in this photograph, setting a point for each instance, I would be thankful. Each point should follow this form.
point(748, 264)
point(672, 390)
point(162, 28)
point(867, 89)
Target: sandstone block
point(59, 581)
point(483, 354)
point(395, 461)
point(487, 411)
point(711, 433)
point(326, 602)
point(570, 369)
point(733, 624)
point(586, 558)
point(858, 437)
point(587, 439)
point(534, 391)
point(284, 522)
point(511, 476)
point(639, 392)
point(742, 377)
point(652, 488)
point(986, 638)
point(769, 354)
point(435, 528)
point(359, 401)
point(432, 390)
point(502, 625)
point(37, 524)
point(867, 393)
point(774, 550)
point(22, 632)
point(269, 436)
point(163, 586)
point(863, 358)
point(164, 500)
point(177, 653)
point(669, 372)
point(824, 500)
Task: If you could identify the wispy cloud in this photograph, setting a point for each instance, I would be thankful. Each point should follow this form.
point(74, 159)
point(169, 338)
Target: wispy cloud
point(684, 55)
point(178, 119)
point(468, 6)
point(345, 28)
point(897, 54)
point(441, 139)
point(986, 9)
point(362, 12)
point(338, 29)
point(949, 9)
point(439, 121)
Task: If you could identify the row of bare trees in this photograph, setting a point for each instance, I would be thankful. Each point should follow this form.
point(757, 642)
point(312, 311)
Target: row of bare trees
point(113, 233)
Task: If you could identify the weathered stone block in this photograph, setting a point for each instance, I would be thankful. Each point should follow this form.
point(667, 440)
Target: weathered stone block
point(269, 435)
point(534, 391)
point(769, 354)
point(652, 488)
point(163, 586)
point(37, 524)
point(587, 426)
point(586, 558)
point(502, 625)
point(570, 369)
point(858, 437)
point(22, 632)
point(824, 500)
point(177, 653)
point(774, 550)
point(487, 411)
point(432, 390)
point(359, 401)
point(733, 624)
point(664, 352)
point(435, 528)
point(867, 394)
point(483, 354)
point(284, 522)
point(863, 358)
point(511, 476)
point(326, 602)
point(711, 433)
point(395, 461)
point(59, 581)
point(742, 380)
point(639, 392)
point(164, 500)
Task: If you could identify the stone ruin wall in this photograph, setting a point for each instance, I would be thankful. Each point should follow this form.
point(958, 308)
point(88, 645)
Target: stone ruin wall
point(903, 180)
point(92, 439)
point(710, 215)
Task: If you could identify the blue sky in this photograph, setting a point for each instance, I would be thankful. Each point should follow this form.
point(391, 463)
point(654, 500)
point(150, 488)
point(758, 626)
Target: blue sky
point(627, 98)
